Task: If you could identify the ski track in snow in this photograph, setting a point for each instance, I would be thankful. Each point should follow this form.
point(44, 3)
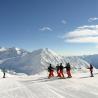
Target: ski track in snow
point(41, 87)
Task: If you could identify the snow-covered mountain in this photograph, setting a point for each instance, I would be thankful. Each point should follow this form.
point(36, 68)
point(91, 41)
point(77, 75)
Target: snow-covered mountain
point(93, 59)
point(77, 62)
point(6, 53)
point(34, 62)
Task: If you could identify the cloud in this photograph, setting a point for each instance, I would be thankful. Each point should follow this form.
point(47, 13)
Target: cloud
point(83, 34)
point(83, 40)
point(92, 19)
point(63, 21)
point(46, 29)
point(97, 46)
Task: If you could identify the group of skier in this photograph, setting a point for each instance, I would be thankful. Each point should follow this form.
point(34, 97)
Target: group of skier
point(59, 69)
point(60, 73)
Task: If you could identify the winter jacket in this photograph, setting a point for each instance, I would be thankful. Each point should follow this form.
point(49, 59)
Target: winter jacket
point(68, 67)
point(50, 68)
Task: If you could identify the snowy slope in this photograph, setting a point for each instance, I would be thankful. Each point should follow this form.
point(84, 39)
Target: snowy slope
point(37, 61)
point(77, 62)
point(93, 59)
point(41, 87)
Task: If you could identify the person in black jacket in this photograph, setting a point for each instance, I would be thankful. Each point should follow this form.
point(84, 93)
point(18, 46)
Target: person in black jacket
point(68, 69)
point(61, 71)
point(4, 71)
point(58, 70)
point(91, 70)
point(50, 70)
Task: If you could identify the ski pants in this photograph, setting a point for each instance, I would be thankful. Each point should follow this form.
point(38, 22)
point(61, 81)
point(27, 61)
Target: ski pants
point(51, 74)
point(58, 73)
point(91, 73)
point(61, 73)
point(69, 73)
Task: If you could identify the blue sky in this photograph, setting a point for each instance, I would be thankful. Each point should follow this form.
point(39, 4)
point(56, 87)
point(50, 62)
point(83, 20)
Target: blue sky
point(68, 27)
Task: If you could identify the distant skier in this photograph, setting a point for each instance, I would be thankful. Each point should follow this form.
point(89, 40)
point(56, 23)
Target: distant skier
point(68, 69)
point(3, 70)
point(61, 71)
point(91, 70)
point(58, 70)
point(50, 70)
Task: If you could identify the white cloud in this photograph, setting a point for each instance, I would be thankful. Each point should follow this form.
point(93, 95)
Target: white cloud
point(63, 21)
point(46, 29)
point(83, 40)
point(92, 19)
point(84, 34)
point(88, 27)
point(97, 46)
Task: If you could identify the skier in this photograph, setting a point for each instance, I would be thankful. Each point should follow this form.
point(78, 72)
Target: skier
point(50, 70)
point(61, 71)
point(68, 69)
point(91, 70)
point(58, 70)
point(3, 70)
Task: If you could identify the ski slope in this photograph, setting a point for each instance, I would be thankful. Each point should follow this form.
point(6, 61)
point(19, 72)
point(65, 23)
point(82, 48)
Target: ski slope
point(38, 86)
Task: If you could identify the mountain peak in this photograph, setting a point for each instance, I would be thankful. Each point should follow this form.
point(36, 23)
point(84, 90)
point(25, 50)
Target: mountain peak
point(36, 61)
point(45, 51)
point(48, 51)
point(2, 49)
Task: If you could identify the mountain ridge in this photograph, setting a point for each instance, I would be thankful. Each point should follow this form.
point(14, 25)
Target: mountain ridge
point(37, 61)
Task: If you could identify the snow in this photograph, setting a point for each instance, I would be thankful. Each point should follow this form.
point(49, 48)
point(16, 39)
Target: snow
point(38, 86)
point(34, 62)
point(2, 49)
point(18, 50)
point(91, 59)
point(21, 61)
point(18, 84)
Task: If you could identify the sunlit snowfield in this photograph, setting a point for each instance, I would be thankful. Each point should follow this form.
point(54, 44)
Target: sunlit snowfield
point(38, 86)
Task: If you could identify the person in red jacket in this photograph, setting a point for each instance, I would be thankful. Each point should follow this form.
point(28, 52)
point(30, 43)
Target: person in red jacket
point(91, 70)
point(50, 70)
